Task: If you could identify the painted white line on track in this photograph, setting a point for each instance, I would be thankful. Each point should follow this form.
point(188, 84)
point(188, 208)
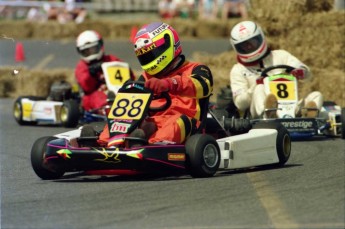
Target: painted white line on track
point(275, 209)
point(44, 62)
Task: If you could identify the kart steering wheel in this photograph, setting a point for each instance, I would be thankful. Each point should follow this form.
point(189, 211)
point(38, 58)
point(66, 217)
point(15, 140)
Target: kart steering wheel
point(141, 86)
point(287, 69)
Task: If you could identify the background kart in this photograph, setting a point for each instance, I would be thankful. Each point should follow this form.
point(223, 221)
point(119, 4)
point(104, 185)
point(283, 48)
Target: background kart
point(330, 120)
point(62, 106)
point(210, 149)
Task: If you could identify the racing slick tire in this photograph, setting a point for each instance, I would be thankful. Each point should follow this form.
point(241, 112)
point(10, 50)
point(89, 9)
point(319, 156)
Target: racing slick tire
point(37, 158)
point(202, 155)
point(283, 141)
point(69, 114)
point(18, 109)
point(342, 123)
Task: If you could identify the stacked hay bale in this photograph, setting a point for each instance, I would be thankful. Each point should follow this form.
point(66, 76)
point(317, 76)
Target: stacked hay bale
point(310, 30)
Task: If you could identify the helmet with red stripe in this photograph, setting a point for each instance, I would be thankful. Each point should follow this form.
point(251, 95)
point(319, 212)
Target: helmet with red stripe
point(248, 40)
point(90, 45)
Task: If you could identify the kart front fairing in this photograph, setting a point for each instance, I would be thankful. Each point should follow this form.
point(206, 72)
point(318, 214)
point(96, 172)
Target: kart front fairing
point(61, 154)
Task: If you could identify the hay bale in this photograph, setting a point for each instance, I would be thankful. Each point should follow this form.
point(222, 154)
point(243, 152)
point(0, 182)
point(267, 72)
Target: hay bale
point(16, 81)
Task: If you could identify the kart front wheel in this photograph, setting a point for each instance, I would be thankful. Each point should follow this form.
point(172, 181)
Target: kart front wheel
point(203, 155)
point(70, 113)
point(37, 160)
point(283, 141)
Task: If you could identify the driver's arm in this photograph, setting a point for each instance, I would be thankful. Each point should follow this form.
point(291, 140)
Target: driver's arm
point(293, 61)
point(242, 87)
point(198, 84)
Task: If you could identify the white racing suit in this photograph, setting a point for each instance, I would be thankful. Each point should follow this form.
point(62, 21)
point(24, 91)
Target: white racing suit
point(248, 94)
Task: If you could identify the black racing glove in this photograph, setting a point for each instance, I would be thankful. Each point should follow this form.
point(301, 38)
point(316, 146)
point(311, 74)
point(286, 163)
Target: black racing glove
point(95, 68)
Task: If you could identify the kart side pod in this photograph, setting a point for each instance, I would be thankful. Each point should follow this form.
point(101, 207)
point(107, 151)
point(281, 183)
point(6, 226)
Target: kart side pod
point(262, 145)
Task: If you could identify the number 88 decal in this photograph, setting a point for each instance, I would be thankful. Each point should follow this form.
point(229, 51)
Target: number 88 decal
point(122, 108)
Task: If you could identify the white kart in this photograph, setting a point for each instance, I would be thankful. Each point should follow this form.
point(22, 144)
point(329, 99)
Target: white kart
point(62, 107)
point(210, 149)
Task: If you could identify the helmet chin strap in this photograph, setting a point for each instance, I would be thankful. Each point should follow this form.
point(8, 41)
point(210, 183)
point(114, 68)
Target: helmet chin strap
point(177, 62)
point(256, 62)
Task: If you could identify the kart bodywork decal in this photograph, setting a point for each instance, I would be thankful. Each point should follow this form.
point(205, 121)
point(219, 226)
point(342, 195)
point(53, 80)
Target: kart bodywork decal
point(176, 157)
point(136, 154)
point(65, 153)
point(109, 156)
point(27, 109)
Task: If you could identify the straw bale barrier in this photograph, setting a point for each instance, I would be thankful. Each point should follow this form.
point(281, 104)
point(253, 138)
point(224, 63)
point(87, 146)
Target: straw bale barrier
point(310, 30)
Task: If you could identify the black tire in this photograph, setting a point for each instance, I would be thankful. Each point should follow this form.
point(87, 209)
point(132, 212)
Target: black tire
point(342, 123)
point(69, 114)
point(283, 142)
point(18, 109)
point(203, 155)
point(37, 158)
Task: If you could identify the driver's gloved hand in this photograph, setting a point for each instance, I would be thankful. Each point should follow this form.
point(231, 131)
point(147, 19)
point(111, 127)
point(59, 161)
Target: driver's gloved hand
point(260, 80)
point(239, 126)
point(95, 68)
point(299, 73)
point(160, 85)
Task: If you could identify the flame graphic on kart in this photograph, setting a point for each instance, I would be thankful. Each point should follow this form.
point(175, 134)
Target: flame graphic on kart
point(109, 157)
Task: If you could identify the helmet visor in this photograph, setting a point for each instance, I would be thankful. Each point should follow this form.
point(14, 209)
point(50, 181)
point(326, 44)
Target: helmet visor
point(250, 45)
point(90, 50)
point(149, 56)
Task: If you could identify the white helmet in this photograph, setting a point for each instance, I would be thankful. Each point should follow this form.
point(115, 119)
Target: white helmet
point(90, 45)
point(248, 40)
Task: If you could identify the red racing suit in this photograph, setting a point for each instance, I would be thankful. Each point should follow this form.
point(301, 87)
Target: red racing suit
point(194, 82)
point(94, 97)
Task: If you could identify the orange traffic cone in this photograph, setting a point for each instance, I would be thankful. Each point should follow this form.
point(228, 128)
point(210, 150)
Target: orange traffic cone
point(19, 55)
point(133, 33)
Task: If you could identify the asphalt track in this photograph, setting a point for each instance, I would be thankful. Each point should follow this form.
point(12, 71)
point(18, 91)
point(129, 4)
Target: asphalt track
point(308, 192)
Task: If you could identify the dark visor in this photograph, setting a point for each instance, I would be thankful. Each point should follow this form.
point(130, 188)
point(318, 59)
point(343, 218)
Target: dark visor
point(90, 51)
point(250, 45)
point(154, 53)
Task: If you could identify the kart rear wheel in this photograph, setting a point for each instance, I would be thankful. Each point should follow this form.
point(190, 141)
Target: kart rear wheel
point(18, 109)
point(70, 113)
point(283, 142)
point(203, 155)
point(37, 158)
point(18, 112)
point(342, 123)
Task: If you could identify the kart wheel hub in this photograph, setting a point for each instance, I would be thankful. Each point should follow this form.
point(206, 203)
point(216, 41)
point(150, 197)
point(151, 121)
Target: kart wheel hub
point(210, 155)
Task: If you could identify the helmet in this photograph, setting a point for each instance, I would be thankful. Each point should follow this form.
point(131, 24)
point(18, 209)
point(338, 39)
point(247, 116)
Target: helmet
point(90, 45)
point(248, 40)
point(156, 45)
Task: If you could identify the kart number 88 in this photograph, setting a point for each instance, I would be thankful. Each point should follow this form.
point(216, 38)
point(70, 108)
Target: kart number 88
point(128, 106)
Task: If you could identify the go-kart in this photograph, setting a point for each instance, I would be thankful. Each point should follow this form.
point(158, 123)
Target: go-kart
point(330, 120)
point(209, 149)
point(62, 106)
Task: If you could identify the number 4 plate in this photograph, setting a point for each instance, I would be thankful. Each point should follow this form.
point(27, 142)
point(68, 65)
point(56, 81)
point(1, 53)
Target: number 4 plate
point(115, 74)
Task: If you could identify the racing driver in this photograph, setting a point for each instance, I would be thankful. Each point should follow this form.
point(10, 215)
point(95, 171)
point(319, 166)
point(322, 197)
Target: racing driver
point(88, 71)
point(159, 51)
point(253, 56)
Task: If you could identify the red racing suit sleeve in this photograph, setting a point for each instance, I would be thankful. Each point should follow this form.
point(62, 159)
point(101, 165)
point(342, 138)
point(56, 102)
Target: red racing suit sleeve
point(86, 81)
point(192, 80)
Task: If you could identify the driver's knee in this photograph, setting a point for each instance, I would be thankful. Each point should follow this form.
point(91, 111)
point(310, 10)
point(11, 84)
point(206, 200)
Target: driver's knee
point(149, 128)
